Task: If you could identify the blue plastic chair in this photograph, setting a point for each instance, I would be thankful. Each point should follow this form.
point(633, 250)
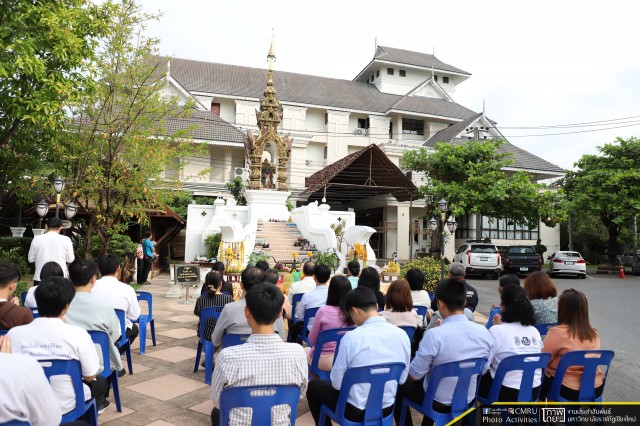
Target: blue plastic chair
point(409, 330)
point(464, 371)
point(297, 298)
point(377, 376)
point(260, 399)
point(23, 297)
point(528, 364)
point(101, 338)
point(234, 339)
point(326, 336)
point(3, 332)
point(422, 311)
point(206, 314)
point(308, 314)
point(146, 319)
point(589, 361)
point(544, 328)
point(124, 342)
point(15, 423)
point(72, 368)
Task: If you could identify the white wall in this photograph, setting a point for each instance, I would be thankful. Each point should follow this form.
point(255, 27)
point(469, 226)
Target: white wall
point(245, 113)
point(315, 119)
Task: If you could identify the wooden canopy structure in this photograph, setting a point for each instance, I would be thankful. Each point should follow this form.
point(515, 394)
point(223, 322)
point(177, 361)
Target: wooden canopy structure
point(363, 174)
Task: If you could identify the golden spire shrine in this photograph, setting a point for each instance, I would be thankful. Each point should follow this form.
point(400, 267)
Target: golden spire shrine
point(264, 173)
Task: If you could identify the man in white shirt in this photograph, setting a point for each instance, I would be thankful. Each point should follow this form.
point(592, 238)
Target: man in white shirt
point(25, 392)
point(263, 360)
point(374, 341)
point(51, 247)
point(317, 297)
point(120, 295)
point(455, 339)
point(49, 337)
point(306, 284)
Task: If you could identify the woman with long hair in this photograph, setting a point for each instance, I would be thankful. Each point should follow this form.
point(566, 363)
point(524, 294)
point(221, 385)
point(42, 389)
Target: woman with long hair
point(370, 278)
point(543, 295)
point(329, 316)
point(513, 333)
point(573, 333)
point(213, 296)
point(399, 305)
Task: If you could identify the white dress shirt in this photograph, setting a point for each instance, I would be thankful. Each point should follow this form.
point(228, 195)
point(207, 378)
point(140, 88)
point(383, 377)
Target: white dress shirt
point(455, 339)
point(374, 342)
point(52, 338)
point(315, 298)
point(421, 298)
point(30, 299)
point(513, 338)
point(51, 247)
point(233, 321)
point(120, 295)
point(303, 286)
point(25, 393)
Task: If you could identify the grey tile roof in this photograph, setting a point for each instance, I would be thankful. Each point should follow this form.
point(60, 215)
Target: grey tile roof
point(209, 127)
point(433, 106)
point(409, 57)
point(521, 159)
point(238, 81)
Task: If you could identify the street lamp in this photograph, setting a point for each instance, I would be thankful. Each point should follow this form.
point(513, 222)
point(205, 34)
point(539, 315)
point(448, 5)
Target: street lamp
point(70, 208)
point(451, 227)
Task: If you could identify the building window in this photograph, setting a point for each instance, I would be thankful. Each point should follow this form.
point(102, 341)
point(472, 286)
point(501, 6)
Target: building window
point(503, 229)
point(391, 130)
point(435, 78)
point(215, 108)
point(378, 73)
point(363, 123)
point(402, 73)
point(325, 152)
point(326, 118)
point(412, 127)
point(445, 80)
point(389, 71)
point(372, 77)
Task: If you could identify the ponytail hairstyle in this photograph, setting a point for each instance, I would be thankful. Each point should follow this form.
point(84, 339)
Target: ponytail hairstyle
point(516, 305)
point(212, 279)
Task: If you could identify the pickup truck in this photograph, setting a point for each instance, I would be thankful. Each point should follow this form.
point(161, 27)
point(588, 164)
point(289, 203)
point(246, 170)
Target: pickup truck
point(521, 259)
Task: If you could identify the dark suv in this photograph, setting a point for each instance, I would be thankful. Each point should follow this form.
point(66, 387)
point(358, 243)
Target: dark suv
point(521, 260)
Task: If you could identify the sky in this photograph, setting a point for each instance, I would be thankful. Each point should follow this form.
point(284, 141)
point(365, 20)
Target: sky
point(533, 63)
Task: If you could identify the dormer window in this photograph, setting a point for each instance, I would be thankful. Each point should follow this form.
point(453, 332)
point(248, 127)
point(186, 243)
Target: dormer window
point(372, 77)
point(445, 80)
point(389, 71)
point(435, 78)
point(378, 73)
point(402, 73)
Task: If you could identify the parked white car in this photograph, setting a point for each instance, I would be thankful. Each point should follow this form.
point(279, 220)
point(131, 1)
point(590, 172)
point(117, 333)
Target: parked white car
point(567, 262)
point(479, 258)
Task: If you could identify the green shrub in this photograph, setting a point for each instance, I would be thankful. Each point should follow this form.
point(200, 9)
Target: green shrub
point(212, 245)
point(327, 257)
point(256, 257)
point(21, 288)
point(429, 266)
point(16, 256)
point(7, 243)
point(120, 245)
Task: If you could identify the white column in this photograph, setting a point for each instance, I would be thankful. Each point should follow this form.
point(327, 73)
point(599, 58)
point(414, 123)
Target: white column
point(403, 232)
point(337, 124)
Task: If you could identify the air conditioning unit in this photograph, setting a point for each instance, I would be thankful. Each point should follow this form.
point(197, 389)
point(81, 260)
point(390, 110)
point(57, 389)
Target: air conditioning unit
point(242, 172)
point(361, 132)
point(308, 162)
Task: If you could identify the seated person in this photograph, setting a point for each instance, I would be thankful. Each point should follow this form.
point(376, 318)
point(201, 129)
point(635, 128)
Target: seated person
point(573, 333)
point(329, 316)
point(49, 269)
point(272, 276)
point(420, 297)
point(399, 305)
point(353, 268)
point(544, 297)
point(26, 393)
point(306, 284)
point(92, 313)
point(503, 281)
point(49, 337)
point(227, 287)
point(11, 313)
point(370, 278)
point(232, 319)
point(471, 341)
point(457, 271)
point(318, 296)
point(262, 264)
point(212, 297)
point(263, 360)
point(513, 333)
point(120, 295)
point(374, 341)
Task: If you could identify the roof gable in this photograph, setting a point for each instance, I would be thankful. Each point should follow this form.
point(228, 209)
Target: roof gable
point(419, 59)
point(430, 89)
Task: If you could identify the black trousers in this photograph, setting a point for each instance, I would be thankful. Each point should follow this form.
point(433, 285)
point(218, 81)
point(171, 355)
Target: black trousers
point(506, 394)
point(146, 268)
point(99, 390)
point(415, 392)
point(131, 334)
point(322, 392)
point(565, 392)
point(140, 279)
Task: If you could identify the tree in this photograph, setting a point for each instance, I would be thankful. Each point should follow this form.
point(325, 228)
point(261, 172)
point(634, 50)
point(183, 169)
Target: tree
point(114, 153)
point(47, 52)
point(607, 186)
point(236, 188)
point(472, 178)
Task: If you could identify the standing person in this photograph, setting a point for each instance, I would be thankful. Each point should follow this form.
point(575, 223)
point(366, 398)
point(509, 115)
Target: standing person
point(11, 313)
point(92, 313)
point(374, 341)
point(505, 280)
point(544, 297)
point(263, 360)
point(212, 297)
point(140, 279)
point(353, 268)
point(51, 247)
point(573, 333)
point(329, 316)
point(513, 333)
point(471, 341)
point(148, 252)
point(370, 278)
point(118, 294)
point(399, 305)
point(49, 337)
point(49, 269)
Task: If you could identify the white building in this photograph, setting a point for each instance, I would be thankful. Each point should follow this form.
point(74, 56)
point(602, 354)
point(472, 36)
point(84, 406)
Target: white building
point(401, 100)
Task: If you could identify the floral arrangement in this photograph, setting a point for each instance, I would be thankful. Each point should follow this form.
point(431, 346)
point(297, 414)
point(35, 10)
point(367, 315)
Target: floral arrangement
point(393, 267)
point(359, 252)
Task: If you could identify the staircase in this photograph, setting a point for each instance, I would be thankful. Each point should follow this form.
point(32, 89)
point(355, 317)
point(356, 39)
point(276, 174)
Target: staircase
point(280, 236)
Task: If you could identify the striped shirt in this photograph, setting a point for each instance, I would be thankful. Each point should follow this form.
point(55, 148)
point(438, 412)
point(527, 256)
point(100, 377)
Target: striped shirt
point(207, 300)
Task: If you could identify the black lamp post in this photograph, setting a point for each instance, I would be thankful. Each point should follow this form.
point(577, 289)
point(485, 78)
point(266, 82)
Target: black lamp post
point(451, 227)
point(70, 208)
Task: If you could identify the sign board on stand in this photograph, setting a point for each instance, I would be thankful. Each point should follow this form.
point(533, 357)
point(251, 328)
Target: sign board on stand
point(187, 275)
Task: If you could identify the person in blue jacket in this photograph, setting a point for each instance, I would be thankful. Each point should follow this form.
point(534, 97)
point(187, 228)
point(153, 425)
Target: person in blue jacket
point(505, 280)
